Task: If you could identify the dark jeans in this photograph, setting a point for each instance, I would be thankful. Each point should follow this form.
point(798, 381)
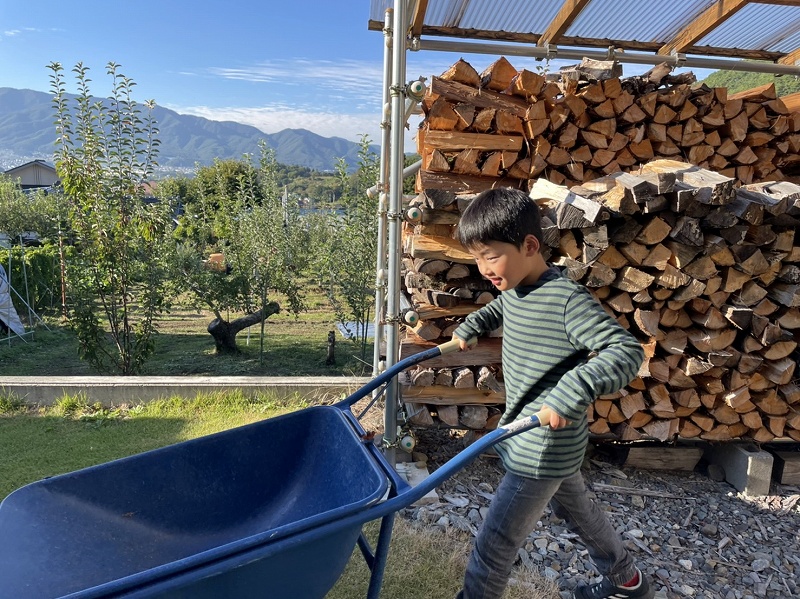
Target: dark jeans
point(514, 511)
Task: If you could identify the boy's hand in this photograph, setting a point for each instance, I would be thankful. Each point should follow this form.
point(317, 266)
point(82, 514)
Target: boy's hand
point(463, 345)
point(547, 417)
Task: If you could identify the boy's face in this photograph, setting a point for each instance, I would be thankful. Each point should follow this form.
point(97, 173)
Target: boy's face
point(507, 266)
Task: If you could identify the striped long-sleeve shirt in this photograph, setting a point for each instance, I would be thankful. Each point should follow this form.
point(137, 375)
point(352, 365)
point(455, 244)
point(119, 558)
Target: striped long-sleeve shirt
point(550, 329)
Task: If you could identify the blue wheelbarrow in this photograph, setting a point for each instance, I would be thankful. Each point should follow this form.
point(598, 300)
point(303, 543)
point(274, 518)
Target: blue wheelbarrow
point(271, 510)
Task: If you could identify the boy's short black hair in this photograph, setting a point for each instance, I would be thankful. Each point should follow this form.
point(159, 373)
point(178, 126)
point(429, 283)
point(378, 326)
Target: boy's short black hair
point(502, 214)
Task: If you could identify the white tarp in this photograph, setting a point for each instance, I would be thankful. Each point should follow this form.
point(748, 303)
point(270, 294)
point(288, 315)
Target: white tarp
point(8, 315)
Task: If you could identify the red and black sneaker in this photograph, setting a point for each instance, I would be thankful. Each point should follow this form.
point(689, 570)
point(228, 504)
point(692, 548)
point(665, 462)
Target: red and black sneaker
point(605, 589)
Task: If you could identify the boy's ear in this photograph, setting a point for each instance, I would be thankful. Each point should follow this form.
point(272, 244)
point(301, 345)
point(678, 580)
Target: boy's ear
point(531, 245)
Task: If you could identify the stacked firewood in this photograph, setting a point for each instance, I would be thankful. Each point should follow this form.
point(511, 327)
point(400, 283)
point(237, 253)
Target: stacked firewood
point(703, 270)
point(513, 126)
point(707, 276)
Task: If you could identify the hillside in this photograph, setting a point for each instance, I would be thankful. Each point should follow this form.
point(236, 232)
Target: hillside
point(27, 132)
point(736, 81)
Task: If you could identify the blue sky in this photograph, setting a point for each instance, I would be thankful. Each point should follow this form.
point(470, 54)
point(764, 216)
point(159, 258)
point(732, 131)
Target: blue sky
point(274, 65)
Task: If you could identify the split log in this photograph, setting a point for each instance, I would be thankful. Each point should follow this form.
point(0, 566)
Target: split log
point(473, 417)
point(448, 415)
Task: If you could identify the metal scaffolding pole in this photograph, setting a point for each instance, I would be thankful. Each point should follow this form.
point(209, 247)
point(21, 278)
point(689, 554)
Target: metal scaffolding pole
point(547, 52)
point(380, 189)
point(394, 218)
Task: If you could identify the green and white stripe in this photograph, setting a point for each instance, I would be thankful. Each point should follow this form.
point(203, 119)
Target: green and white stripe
point(560, 349)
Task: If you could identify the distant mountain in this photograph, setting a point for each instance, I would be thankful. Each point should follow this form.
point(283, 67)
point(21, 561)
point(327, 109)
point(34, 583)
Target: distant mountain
point(27, 132)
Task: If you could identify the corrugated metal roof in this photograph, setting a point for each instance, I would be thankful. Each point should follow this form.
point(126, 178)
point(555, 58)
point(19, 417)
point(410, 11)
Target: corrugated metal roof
point(638, 20)
point(767, 30)
point(756, 26)
point(515, 16)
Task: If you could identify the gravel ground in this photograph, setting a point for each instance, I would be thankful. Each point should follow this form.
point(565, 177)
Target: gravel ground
point(693, 536)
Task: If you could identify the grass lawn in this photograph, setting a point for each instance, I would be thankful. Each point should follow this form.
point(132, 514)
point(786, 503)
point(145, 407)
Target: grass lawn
point(36, 442)
point(39, 442)
point(292, 347)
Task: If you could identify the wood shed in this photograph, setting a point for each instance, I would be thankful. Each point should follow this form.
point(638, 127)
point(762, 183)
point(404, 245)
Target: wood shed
point(673, 202)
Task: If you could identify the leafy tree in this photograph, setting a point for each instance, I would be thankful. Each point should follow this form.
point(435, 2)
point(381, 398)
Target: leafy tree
point(262, 236)
point(737, 81)
point(43, 213)
point(106, 151)
point(37, 268)
point(409, 184)
point(206, 198)
point(21, 212)
point(347, 268)
point(322, 189)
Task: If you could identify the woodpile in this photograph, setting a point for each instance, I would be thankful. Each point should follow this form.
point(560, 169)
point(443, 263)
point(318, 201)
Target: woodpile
point(512, 126)
point(694, 250)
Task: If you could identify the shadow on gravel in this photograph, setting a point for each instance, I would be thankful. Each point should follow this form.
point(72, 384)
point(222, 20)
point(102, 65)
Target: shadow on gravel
point(694, 536)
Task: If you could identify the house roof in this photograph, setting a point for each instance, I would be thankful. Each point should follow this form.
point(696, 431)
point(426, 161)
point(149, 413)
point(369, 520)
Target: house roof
point(33, 163)
point(766, 31)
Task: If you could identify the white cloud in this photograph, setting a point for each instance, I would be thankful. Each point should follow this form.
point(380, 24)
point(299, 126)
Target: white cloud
point(274, 118)
point(331, 98)
point(359, 80)
point(23, 30)
point(271, 119)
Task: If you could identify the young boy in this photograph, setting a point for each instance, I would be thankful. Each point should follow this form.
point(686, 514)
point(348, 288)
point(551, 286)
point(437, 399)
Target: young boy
point(560, 351)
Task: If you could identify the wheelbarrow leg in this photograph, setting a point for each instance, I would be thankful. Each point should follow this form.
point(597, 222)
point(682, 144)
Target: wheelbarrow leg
point(376, 561)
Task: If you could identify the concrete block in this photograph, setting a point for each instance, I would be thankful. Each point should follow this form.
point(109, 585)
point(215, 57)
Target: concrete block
point(787, 467)
point(116, 390)
point(746, 467)
point(414, 473)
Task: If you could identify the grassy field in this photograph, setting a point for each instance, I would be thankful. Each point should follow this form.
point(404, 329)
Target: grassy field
point(36, 442)
point(293, 347)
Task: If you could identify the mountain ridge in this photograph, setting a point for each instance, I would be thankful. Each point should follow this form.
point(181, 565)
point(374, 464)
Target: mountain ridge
point(27, 133)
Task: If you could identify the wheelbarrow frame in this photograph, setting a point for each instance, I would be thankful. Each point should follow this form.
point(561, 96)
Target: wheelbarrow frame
point(401, 494)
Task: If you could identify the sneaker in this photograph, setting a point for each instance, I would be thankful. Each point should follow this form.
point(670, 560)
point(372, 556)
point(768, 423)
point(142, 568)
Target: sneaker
point(605, 589)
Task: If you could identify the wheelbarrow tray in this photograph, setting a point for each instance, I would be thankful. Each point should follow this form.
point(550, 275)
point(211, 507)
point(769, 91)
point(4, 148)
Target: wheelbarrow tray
point(257, 511)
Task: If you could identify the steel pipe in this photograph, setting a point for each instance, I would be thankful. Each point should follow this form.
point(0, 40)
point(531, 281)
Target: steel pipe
point(397, 92)
point(380, 186)
point(553, 52)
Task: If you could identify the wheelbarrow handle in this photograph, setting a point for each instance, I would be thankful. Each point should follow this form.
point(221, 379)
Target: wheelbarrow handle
point(409, 495)
point(387, 375)
point(454, 345)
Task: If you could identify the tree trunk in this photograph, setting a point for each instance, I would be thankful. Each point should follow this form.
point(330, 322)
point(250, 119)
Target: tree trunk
point(224, 332)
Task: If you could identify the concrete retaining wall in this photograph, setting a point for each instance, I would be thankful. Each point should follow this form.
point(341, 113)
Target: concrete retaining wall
point(116, 390)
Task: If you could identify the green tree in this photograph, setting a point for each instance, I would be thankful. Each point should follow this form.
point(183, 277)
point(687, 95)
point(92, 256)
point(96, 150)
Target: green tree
point(206, 198)
point(262, 236)
point(323, 190)
point(105, 152)
point(409, 183)
point(737, 81)
point(36, 274)
point(21, 212)
point(347, 268)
